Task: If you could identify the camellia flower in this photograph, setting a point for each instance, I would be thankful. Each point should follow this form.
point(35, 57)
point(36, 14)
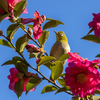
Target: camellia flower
point(14, 76)
point(32, 48)
point(11, 5)
point(38, 20)
point(81, 76)
point(95, 24)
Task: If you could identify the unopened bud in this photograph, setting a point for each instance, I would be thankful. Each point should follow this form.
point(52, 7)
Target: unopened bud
point(12, 19)
point(1, 32)
point(43, 17)
point(30, 31)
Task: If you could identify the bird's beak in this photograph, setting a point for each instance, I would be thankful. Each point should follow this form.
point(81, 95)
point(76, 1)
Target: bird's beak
point(56, 32)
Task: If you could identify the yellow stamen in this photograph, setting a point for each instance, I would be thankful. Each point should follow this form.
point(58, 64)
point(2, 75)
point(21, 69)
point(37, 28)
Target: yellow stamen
point(82, 78)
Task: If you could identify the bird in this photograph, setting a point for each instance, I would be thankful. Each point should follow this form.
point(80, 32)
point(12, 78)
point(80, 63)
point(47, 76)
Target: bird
point(60, 47)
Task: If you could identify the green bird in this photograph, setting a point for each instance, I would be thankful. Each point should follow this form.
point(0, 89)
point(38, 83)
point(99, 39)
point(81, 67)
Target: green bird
point(60, 47)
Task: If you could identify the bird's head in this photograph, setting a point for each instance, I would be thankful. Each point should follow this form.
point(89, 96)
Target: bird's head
point(61, 36)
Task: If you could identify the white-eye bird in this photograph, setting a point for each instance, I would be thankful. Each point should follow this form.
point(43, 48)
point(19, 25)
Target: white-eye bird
point(60, 47)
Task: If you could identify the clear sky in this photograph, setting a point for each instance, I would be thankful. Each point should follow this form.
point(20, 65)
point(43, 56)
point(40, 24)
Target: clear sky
point(75, 14)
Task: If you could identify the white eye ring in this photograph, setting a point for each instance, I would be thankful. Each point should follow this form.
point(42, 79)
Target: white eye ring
point(61, 34)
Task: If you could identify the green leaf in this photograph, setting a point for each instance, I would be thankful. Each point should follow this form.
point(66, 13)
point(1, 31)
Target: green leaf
point(5, 43)
point(98, 55)
point(2, 16)
point(19, 8)
point(49, 65)
point(21, 43)
point(52, 23)
point(11, 30)
point(56, 70)
point(91, 30)
point(8, 62)
point(92, 38)
point(17, 58)
point(97, 92)
point(64, 57)
point(62, 82)
point(63, 89)
point(32, 84)
point(30, 25)
point(44, 37)
point(19, 87)
point(32, 55)
point(49, 88)
point(49, 19)
point(4, 5)
point(45, 59)
point(21, 67)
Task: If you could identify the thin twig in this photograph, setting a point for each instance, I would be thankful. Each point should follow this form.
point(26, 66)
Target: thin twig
point(44, 77)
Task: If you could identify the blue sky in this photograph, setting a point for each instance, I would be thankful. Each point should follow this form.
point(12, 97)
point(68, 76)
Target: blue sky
point(75, 14)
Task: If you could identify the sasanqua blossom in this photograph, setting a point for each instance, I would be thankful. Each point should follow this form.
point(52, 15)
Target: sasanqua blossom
point(95, 24)
point(14, 77)
point(81, 76)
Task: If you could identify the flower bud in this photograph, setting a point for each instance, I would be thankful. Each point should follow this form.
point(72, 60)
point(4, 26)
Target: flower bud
point(43, 17)
point(12, 19)
point(30, 31)
point(1, 32)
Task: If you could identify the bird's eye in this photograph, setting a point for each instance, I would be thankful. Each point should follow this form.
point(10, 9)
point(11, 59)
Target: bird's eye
point(61, 34)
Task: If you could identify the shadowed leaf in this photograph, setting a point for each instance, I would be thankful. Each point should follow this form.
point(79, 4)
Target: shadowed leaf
point(19, 8)
point(32, 84)
point(61, 82)
point(19, 87)
point(48, 88)
point(91, 30)
point(98, 55)
point(92, 38)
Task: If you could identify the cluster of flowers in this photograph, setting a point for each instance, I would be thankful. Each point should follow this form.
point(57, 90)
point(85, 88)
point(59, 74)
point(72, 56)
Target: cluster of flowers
point(81, 75)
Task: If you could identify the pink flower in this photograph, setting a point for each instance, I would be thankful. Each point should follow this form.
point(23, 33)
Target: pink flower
point(38, 20)
point(13, 77)
point(32, 48)
point(82, 77)
point(96, 24)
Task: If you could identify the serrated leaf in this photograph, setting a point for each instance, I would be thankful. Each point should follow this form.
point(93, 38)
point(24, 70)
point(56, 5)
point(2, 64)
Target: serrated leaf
point(8, 62)
point(64, 57)
point(32, 84)
point(56, 70)
point(11, 30)
point(62, 82)
point(52, 23)
point(92, 38)
point(2, 16)
point(48, 88)
point(63, 89)
point(44, 37)
point(19, 8)
point(21, 43)
point(21, 67)
point(45, 59)
point(98, 55)
point(19, 87)
point(30, 25)
point(91, 30)
point(4, 5)
point(5, 43)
